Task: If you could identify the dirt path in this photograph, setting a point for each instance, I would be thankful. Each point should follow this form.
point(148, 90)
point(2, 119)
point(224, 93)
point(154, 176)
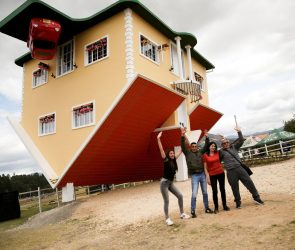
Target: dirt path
point(133, 219)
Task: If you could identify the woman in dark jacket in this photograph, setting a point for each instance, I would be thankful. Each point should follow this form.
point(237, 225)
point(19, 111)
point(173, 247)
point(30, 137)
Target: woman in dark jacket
point(166, 184)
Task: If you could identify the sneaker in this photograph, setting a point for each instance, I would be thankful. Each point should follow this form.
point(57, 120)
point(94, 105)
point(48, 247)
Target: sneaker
point(193, 213)
point(258, 201)
point(216, 211)
point(226, 208)
point(184, 216)
point(208, 211)
point(169, 222)
point(238, 205)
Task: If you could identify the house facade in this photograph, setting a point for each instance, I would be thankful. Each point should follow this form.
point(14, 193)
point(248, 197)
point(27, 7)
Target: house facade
point(89, 116)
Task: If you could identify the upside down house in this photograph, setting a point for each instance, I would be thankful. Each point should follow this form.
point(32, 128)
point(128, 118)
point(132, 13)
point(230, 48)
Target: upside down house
point(91, 114)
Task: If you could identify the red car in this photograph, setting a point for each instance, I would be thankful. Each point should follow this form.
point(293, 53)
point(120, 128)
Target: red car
point(43, 38)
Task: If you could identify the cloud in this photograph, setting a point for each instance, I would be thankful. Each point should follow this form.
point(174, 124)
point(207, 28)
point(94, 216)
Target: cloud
point(14, 156)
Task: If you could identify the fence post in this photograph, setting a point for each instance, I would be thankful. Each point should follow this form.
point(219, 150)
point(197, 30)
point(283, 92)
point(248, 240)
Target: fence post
point(281, 146)
point(57, 197)
point(39, 198)
point(266, 151)
point(249, 151)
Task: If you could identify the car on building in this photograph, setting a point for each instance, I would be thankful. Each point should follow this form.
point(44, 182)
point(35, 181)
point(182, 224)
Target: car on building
point(43, 38)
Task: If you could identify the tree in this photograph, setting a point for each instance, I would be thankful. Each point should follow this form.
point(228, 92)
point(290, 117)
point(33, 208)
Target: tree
point(290, 125)
point(22, 183)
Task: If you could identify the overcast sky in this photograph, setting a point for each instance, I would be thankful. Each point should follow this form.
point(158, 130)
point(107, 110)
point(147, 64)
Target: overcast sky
point(251, 44)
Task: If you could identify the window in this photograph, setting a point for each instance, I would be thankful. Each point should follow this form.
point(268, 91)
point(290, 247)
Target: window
point(174, 60)
point(96, 51)
point(40, 76)
point(149, 49)
point(47, 124)
point(200, 79)
point(83, 115)
point(65, 58)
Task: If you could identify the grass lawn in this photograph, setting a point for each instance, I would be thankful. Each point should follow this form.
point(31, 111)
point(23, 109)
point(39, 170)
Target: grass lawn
point(26, 213)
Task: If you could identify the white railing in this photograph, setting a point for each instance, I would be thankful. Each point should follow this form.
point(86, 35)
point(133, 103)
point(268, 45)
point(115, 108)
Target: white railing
point(188, 87)
point(44, 197)
point(282, 148)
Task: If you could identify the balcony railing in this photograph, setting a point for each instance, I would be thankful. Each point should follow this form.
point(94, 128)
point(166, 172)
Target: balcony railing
point(188, 87)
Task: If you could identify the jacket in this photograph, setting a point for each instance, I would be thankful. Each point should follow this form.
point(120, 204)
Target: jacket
point(194, 160)
point(228, 160)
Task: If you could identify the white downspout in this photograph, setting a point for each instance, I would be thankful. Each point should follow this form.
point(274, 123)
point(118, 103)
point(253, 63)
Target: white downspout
point(189, 60)
point(179, 57)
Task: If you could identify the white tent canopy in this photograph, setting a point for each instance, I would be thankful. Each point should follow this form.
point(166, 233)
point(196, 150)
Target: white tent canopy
point(250, 142)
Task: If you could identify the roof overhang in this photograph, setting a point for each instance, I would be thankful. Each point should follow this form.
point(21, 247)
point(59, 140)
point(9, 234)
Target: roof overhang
point(202, 117)
point(17, 24)
point(119, 149)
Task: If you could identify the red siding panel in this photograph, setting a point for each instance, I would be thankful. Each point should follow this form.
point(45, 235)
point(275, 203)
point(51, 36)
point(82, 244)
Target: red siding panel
point(120, 149)
point(203, 117)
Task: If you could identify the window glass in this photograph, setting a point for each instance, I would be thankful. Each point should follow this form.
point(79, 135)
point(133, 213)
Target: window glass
point(97, 50)
point(65, 58)
point(149, 49)
point(40, 77)
point(47, 124)
point(83, 115)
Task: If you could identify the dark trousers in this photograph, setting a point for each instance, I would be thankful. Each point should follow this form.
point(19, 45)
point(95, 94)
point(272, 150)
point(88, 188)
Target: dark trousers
point(239, 174)
point(220, 178)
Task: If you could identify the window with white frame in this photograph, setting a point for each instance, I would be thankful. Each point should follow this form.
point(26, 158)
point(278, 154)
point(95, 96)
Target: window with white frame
point(149, 49)
point(174, 60)
point(65, 58)
point(200, 79)
point(83, 115)
point(47, 124)
point(40, 76)
point(96, 51)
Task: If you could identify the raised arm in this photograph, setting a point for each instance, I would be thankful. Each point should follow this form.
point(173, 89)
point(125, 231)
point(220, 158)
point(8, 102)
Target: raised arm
point(240, 140)
point(206, 146)
point(160, 145)
point(183, 141)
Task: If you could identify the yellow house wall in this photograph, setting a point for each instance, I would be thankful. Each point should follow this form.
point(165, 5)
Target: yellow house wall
point(101, 81)
point(160, 71)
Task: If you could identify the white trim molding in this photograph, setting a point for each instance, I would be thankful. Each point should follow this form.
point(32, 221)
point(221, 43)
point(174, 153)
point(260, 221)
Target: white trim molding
point(129, 51)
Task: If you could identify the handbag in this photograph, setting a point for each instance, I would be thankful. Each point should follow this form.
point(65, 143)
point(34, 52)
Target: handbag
point(248, 170)
point(244, 166)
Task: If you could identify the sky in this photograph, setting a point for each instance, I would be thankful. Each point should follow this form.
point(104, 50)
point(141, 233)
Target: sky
point(251, 44)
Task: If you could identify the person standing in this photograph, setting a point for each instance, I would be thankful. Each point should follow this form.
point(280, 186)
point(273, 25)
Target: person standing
point(216, 174)
point(197, 172)
point(166, 184)
point(235, 172)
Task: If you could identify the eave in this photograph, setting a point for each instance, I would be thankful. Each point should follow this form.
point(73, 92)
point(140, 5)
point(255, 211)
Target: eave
point(17, 24)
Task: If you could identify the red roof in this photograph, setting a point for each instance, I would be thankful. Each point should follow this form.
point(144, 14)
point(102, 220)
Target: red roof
point(120, 149)
point(202, 117)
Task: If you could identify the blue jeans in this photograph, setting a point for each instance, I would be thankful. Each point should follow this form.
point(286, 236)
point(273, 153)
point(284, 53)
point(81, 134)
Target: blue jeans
point(196, 179)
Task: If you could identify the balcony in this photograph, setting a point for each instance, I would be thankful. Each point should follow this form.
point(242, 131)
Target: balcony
point(188, 87)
